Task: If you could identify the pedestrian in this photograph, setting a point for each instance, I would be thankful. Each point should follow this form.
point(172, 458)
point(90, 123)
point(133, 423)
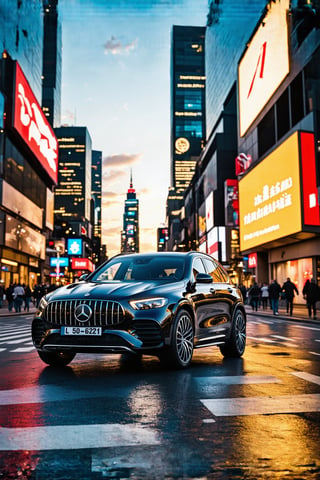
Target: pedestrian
point(288, 288)
point(9, 297)
point(38, 292)
point(254, 294)
point(311, 293)
point(18, 294)
point(1, 295)
point(265, 296)
point(27, 298)
point(243, 291)
point(274, 293)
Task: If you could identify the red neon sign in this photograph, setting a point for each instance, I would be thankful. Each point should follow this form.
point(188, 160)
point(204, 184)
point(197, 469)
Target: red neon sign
point(33, 127)
point(311, 207)
point(81, 264)
point(252, 260)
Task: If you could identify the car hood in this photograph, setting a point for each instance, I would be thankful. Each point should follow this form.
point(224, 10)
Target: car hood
point(113, 290)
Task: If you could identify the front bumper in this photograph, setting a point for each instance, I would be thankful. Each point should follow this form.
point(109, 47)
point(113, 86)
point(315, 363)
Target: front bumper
point(143, 336)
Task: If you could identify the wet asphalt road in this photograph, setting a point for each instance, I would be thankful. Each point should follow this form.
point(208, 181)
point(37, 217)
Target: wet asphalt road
point(108, 417)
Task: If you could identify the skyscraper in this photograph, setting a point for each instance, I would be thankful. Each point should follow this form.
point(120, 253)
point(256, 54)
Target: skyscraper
point(72, 203)
point(188, 123)
point(96, 171)
point(187, 103)
point(130, 232)
point(51, 70)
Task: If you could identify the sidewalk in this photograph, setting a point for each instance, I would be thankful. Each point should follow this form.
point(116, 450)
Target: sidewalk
point(300, 312)
point(4, 312)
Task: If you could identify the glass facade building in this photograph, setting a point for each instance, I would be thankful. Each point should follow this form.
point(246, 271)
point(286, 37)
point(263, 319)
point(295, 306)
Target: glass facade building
point(52, 51)
point(187, 103)
point(229, 27)
point(72, 201)
point(27, 176)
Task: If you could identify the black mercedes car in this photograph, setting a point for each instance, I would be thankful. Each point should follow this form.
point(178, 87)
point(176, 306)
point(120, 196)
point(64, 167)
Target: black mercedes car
point(164, 304)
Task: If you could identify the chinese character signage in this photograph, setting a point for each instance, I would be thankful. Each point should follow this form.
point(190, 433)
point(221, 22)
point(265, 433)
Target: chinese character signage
point(275, 198)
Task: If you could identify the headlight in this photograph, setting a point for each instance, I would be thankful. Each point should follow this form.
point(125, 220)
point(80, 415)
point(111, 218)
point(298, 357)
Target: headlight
point(43, 303)
point(148, 303)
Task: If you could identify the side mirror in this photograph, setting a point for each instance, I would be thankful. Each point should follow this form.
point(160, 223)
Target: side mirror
point(203, 278)
point(83, 277)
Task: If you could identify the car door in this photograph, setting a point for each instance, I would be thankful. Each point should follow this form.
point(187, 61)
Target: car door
point(214, 311)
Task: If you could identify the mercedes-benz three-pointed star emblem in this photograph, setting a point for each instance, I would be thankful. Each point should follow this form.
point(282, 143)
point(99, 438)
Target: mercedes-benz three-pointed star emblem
point(82, 312)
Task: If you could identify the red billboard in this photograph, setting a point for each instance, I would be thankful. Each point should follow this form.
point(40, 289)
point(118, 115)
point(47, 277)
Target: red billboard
point(311, 210)
point(33, 127)
point(82, 264)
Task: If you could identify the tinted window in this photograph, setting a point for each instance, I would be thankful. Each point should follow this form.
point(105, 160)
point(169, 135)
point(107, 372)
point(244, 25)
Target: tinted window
point(213, 270)
point(163, 268)
point(197, 267)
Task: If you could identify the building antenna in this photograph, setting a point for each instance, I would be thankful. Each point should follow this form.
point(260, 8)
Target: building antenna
point(131, 183)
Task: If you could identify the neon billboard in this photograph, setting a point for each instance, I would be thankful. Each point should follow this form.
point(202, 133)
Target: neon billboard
point(33, 127)
point(278, 198)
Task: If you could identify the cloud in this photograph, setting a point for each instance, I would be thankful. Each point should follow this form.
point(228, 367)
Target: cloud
point(121, 159)
point(115, 46)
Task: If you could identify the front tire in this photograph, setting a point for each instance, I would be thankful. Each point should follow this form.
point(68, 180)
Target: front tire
point(179, 353)
point(236, 344)
point(56, 359)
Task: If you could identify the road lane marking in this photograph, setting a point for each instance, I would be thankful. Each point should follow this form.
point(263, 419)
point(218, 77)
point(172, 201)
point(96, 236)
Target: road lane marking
point(238, 380)
point(266, 340)
point(52, 393)
point(309, 377)
point(22, 349)
point(71, 437)
point(306, 328)
point(232, 407)
point(3, 339)
point(283, 338)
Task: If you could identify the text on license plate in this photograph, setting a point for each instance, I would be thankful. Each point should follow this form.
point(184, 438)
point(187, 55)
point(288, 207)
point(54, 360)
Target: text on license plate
point(81, 330)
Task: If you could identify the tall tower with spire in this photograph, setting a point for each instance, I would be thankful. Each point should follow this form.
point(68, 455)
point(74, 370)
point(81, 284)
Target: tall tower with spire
point(130, 232)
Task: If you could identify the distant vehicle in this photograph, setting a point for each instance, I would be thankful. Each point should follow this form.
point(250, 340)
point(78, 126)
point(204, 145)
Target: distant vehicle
point(164, 304)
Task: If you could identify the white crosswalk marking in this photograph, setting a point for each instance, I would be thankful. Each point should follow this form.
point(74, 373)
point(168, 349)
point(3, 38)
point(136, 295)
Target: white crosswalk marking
point(12, 335)
point(229, 407)
point(79, 436)
point(309, 377)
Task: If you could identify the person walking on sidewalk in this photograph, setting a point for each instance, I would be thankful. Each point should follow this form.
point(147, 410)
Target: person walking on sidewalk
point(9, 297)
point(18, 294)
point(274, 293)
point(254, 294)
point(264, 296)
point(311, 293)
point(289, 288)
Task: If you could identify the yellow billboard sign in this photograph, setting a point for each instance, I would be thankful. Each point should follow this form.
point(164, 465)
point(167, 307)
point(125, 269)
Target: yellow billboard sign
point(269, 197)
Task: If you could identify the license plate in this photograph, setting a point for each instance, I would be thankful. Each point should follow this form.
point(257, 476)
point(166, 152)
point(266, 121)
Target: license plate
point(81, 330)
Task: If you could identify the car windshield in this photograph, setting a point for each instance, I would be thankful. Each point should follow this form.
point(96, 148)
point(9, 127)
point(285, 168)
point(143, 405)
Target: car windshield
point(141, 268)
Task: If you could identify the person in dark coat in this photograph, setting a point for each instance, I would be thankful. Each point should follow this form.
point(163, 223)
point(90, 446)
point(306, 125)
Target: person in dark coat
point(288, 288)
point(274, 293)
point(9, 297)
point(254, 294)
point(311, 292)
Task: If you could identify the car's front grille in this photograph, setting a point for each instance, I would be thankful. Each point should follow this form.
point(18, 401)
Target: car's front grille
point(104, 313)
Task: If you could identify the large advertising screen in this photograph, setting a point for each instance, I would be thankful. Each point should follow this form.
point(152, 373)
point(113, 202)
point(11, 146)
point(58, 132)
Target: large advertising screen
point(276, 199)
point(33, 127)
point(264, 65)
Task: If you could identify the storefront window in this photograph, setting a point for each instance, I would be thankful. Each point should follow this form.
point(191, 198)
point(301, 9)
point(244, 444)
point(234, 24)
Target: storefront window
point(297, 270)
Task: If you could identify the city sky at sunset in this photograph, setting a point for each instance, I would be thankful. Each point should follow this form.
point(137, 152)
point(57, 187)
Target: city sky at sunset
point(116, 82)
